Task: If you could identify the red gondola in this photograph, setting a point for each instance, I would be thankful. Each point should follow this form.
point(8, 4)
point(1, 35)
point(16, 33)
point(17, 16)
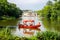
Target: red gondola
point(31, 26)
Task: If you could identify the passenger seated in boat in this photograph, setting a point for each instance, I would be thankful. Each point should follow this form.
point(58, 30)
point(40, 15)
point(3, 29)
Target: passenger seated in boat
point(25, 24)
point(31, 24)
point(38, 24)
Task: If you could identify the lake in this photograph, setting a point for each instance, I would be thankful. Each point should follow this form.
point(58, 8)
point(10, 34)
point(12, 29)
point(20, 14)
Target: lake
point(52, 25)
point(46, 24)
point(28, 32)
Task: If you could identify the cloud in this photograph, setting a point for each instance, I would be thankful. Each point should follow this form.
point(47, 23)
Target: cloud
point(27, 1)
point(29, 4)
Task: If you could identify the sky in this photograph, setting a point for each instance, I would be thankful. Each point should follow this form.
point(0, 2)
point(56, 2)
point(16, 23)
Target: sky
point(29, 4)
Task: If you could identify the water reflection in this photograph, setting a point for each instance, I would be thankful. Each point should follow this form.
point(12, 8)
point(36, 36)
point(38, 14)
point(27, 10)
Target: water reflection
point(8, 22)
point(24, 32)
point(52, 24)
point(28, 32)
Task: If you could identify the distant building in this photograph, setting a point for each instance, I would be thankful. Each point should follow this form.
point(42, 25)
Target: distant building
point(29, 13)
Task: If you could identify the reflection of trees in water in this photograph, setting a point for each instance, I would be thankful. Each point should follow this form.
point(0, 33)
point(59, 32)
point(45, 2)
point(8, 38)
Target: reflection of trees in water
point(52, 24)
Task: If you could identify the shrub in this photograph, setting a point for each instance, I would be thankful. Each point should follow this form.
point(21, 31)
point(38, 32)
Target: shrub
point(5, 34)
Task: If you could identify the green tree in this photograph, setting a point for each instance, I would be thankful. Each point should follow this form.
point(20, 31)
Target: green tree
point(9, 9)
point(51, 10)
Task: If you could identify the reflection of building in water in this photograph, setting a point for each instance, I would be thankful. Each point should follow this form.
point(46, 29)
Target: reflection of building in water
point(30, 32)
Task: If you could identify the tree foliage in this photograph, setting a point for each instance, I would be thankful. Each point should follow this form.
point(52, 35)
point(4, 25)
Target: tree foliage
point(9, 9)
point(51, 10)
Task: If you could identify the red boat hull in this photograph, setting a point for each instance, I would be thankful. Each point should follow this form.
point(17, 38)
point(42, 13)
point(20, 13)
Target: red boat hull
point(29, 27)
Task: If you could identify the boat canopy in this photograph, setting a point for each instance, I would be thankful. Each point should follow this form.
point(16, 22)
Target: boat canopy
point(28, 20)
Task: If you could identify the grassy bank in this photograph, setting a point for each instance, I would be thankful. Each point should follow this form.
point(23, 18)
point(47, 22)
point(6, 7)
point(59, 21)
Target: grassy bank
point(5, 34)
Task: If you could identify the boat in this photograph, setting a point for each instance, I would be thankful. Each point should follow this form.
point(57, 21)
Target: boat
point(30, 26)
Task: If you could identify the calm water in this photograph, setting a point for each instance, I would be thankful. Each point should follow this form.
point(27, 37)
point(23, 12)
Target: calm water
point(53, 25)
point(46, 24)
point(8, 22)
point(28, 32)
